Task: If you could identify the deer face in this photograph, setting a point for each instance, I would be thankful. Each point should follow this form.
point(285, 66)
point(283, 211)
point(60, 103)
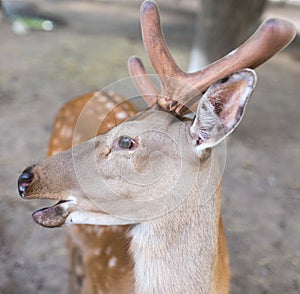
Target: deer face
point(125, 165)
point(129, 163)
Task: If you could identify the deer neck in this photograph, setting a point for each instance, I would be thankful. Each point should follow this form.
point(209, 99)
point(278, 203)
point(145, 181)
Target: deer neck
point(176, 253)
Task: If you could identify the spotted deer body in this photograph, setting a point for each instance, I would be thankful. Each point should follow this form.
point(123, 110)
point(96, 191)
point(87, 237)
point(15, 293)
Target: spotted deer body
point(155, 177)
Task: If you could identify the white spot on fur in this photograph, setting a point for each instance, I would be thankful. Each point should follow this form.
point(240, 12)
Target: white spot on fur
point(116, 229)
point(121, 115)
point(97, 251)
point(55, 141)
point(118, 98)
point(58, 124)
point(109, 105)
point(66, 131)
point(67, 112)
point(109, 124)
point(102, 99)
point(112, 262)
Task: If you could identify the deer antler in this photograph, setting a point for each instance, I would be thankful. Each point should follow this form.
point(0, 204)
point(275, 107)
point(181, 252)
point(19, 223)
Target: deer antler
point(144, 85)
point(180, 88)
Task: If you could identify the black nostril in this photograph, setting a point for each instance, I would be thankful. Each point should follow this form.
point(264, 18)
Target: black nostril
point(24, 181)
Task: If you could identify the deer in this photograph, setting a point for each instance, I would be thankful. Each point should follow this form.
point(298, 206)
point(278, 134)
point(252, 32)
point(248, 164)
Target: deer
point(141, 195)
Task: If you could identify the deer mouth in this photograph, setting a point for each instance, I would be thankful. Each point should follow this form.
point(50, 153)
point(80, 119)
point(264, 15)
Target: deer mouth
point(53, 216)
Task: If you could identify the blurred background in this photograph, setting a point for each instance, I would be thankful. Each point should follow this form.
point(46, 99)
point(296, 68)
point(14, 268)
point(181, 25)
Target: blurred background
point(54, 50)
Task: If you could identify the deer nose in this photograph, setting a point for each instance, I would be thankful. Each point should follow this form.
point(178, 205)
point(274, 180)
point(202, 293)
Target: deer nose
point(24, 181)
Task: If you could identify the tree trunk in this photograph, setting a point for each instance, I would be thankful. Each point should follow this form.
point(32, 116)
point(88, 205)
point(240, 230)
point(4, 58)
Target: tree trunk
point(221, 26)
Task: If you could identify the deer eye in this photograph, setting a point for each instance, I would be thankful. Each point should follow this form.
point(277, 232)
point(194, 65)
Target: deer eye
point(126, 143)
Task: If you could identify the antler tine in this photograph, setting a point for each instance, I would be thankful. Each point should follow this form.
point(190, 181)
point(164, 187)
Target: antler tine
point(142, 81)
point(155, 45)
point(271, 37)
point(159, 55)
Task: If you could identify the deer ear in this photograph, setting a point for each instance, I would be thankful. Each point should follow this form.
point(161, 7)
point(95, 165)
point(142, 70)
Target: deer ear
point(221, 108)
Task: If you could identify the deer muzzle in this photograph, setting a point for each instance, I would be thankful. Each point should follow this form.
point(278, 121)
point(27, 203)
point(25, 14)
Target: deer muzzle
point(54, 179)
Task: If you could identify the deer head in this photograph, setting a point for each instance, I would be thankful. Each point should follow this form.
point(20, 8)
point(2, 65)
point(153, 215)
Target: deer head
point(149, 164)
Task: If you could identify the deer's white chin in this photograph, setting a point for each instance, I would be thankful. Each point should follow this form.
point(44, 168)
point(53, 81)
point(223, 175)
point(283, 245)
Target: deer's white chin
point(95, 218)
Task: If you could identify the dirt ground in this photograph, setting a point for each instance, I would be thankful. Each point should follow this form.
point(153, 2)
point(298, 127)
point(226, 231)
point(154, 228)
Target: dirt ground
point(261, 187)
